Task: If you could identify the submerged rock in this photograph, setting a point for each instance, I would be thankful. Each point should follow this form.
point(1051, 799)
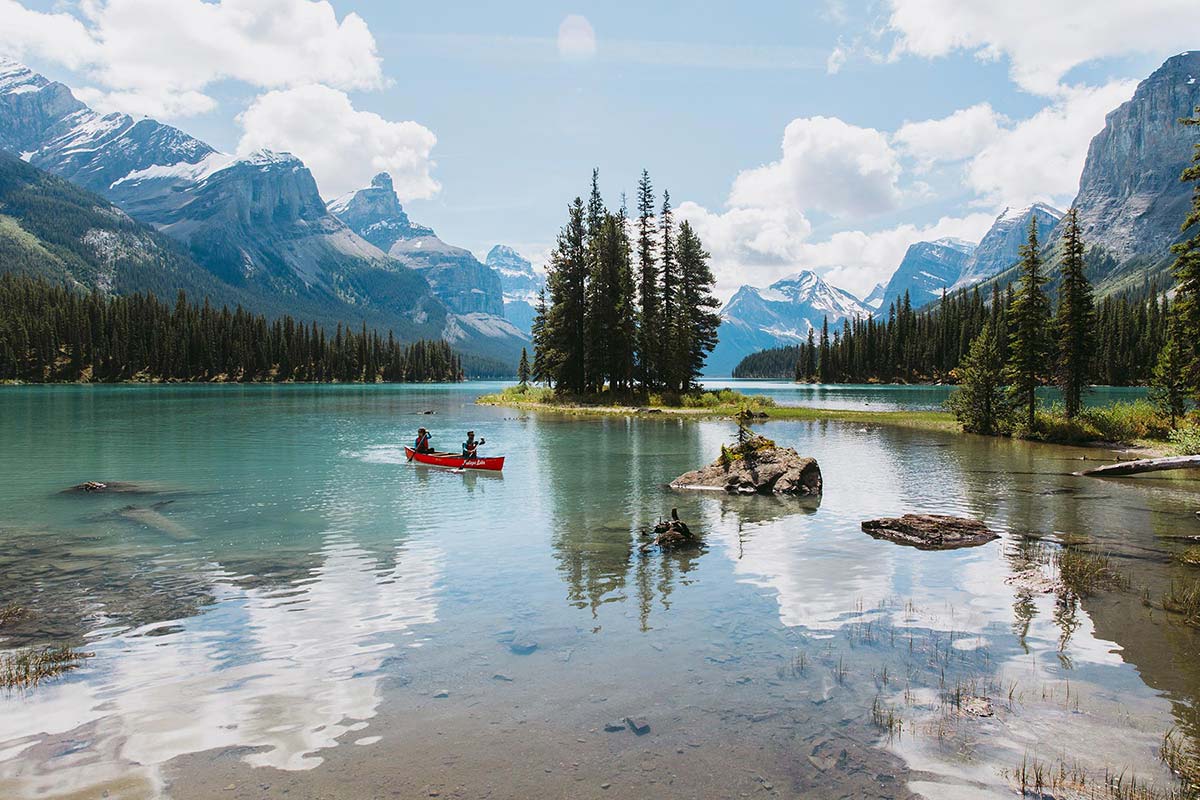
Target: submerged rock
point(756, 467)
point(111, 487)
point(930, 531)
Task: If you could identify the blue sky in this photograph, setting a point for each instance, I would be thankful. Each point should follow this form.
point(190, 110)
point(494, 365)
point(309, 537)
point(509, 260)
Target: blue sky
point(784, 131)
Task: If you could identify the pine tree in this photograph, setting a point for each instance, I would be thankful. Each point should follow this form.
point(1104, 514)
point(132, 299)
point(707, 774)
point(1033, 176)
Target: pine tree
point(564, 328)
point(1187, 272)
point(1075, 321)
point(696, 310)
point(1168, 385)
point(523, 368)
point(673, 331)
point(979, 403)
point(825, 362)
point(649, 312)
point(810, 356)
point(1029, 319)
point(541, 369)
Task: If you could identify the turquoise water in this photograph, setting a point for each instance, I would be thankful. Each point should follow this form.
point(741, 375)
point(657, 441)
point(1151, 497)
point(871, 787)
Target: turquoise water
point(288, 608)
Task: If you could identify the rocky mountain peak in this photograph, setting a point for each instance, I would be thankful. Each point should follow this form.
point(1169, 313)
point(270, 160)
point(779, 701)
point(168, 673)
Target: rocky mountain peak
point(375, 213)
point(1131, 201)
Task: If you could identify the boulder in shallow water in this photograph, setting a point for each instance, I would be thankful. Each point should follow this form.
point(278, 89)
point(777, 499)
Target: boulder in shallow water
point(930, 531)
point(757, 467)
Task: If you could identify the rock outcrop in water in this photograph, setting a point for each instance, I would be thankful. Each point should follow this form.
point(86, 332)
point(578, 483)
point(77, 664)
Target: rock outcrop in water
point(930, 531)
point(756, 467)
point(672, 533)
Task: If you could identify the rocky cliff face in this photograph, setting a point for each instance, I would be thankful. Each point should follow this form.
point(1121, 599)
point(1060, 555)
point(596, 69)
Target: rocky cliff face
point(457, 277)
point(927, 269)
point(520, 282)
point(999, 249)
point(1131, 201)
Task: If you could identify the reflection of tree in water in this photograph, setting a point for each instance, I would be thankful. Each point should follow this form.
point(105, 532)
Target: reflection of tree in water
point(604, 480)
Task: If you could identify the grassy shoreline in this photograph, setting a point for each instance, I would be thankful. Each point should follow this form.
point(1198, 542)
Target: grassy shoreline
point(726, 404)
point(537, 400)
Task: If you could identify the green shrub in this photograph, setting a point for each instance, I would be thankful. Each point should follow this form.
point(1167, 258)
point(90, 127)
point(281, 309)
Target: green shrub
point(1185, 440)
point(1124, 422)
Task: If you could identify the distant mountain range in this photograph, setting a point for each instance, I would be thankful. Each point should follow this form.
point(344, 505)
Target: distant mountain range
point(1130, 202)
point(520, 283)
point(257, 224)
point(783, 313)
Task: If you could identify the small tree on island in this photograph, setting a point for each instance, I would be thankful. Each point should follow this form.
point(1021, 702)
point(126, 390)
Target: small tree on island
point(1029, 322)
point(1074, 322)
point(979, 402)
point(523, 368)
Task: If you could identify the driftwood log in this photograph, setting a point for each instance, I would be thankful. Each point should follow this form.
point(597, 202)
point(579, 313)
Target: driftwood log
point(1144, 465)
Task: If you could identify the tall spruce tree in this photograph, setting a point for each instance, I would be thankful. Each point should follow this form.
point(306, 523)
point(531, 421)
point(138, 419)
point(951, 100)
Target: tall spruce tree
point(523, 368)
point(673, 333)
point(696, 309)
point(1187, 270)
point(565, 323)
point(540, 370)
point(650, 302)
point(825, 361)
point(810, 356)
point(600, 310)
point(1029, 320)
point(1075, 321)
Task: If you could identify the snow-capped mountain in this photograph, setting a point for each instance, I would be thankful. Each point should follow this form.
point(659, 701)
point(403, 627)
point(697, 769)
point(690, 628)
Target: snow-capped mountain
point(926, 269)
point(781, 314)
point(1000, 247)
point(457, 277)
point(874, 298)
point(257, 223)
point(520, 282)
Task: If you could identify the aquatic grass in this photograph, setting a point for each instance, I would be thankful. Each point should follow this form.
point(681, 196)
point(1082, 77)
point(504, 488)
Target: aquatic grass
point(11, 613)
point(885, 718)
point(1067, 779)
point(1179, 754)
point(1086, 573)
point(22, 669)
point(1184, 599)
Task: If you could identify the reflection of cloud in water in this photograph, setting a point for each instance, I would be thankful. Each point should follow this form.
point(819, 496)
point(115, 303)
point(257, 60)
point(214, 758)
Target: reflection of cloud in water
point(285, 671)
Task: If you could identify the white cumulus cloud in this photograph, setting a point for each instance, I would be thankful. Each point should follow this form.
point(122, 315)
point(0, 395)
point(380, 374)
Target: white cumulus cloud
point(958, 136)
point(158, 57)
point(1041, 158)
point(576, 38)
point(1043, 41)
point(759, 246)
point(344, 147)
point(827, 165)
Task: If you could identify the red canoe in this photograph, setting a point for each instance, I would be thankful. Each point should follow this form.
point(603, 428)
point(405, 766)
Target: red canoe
point(495, 464)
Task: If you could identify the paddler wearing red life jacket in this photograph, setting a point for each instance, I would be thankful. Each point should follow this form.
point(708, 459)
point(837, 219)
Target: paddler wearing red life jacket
point(470, 447)
point(422, 443)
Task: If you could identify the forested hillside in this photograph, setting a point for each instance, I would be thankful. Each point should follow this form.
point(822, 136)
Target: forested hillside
point(916, 346)
point(51, 333)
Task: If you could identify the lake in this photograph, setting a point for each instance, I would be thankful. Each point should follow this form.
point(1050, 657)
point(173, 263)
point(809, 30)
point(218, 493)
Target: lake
point(289, 609)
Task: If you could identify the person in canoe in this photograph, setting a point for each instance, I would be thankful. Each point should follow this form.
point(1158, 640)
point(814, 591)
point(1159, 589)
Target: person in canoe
point(422, 443)
point(470, 448)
